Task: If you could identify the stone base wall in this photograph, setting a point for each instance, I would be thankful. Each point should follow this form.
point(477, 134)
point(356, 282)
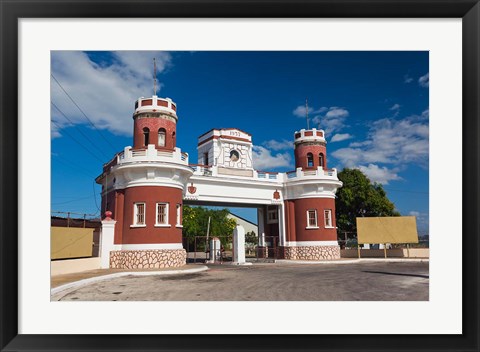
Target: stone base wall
point(148, 259)
point(310, 253)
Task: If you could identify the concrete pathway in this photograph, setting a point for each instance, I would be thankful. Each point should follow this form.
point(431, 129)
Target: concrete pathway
point(68, 282)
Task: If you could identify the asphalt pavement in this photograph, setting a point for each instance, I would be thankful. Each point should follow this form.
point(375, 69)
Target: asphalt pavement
point(364, 281)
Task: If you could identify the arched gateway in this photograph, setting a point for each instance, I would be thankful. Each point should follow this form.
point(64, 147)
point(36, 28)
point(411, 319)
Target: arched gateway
point(145, 187)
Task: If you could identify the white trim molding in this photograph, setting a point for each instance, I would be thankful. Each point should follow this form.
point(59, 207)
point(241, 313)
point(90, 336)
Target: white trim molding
point(328, 224)
point(165, 214)
point(136, 223)
point(151, 246)
point(310, 243)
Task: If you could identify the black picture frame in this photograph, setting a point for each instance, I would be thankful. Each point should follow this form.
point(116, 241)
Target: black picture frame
point(12, 11)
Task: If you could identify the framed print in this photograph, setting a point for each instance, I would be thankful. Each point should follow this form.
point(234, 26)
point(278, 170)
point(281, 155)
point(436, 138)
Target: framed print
point(36, 33)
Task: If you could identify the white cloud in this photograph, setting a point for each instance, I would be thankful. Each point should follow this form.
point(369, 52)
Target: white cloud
point(425, 114)
point(264, 160)
point(390, 141)
point(380, 174)
point(278, 145)
point(329, 119)
point(422, 220)
point(407, 79)
point(333, 120)
point(105, 92)
point(341, 137)
point(335, 112)
point(301, 111)
point(424, 81)
point(395, 107)
point(360, 144)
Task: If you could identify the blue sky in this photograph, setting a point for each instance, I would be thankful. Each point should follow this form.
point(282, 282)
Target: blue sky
point(372, 105)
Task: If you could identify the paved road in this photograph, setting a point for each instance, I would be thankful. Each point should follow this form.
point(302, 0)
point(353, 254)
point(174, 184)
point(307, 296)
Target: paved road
point(270, 282)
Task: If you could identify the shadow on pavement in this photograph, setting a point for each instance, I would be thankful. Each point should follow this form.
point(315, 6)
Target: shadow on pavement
point(399, 274)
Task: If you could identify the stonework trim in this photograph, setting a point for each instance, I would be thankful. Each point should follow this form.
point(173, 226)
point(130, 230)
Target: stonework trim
point(311, 252)
point(148, 259)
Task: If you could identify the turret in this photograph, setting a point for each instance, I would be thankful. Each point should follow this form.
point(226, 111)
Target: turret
point(310, 149)
point(155, 122)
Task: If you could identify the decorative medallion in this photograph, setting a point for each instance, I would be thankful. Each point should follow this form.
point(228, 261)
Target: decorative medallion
point(191, 189)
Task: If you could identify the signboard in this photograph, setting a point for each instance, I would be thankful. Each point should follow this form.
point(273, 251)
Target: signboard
point(395, 229)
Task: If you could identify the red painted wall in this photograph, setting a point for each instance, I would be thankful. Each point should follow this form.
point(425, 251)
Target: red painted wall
point(119, 208)
point(321, 234)
point(154, 124)
point(151, 195)
point(290, 231)
point(301, 152)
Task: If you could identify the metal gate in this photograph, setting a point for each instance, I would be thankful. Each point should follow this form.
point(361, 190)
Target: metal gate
point(212, 249)
point(267, 249)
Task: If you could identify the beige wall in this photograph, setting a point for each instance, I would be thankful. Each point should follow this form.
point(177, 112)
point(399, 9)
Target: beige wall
point(391, 253)
point(69, 266)
point(248, 226)
point(70, 242)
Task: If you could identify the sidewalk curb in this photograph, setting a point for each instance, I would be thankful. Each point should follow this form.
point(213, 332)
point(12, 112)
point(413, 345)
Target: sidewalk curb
point(354, 261)
point(83, 282)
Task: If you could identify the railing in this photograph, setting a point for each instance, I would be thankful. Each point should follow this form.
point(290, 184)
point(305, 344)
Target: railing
point(267, 175)
point(136, 153)
point(211, 170)
point(291, 174)
point(199, 169)
point(319, 172)
point(151, 154)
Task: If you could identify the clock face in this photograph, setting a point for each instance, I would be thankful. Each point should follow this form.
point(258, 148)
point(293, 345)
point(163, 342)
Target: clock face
point(234, 155)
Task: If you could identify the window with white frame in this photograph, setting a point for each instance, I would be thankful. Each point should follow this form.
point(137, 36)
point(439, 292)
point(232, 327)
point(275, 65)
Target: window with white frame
point(139, 214)
point(312, 218)
point(162, 214)
point(179, 215)
point(161, 137)
point(272, 215)
point(309, 160)
point(328, 218)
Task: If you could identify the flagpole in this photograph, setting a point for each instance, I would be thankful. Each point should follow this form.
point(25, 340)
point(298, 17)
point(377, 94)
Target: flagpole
point(154, 77)
point(306, 109)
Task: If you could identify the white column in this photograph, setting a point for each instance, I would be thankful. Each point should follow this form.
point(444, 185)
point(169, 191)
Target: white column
point(281, 224)
point(239, 245)
point(106, 242)
point(261, 226)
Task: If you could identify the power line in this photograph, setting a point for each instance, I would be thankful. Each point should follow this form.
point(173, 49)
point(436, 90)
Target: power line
point(80, 144)
point(79, 108)
point(95, 197)
point(82, 170)
point(400, 190)
point(79, 130)
point(70, 201)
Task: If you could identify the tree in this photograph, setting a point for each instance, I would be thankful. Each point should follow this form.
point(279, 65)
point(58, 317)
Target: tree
point(358, 197)
point(195, 223)
point(251, 238)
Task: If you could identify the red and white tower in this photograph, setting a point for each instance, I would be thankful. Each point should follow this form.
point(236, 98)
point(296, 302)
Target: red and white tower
point(310, 201)
point(143, 187)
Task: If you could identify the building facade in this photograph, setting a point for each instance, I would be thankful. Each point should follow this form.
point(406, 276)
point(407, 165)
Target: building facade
point(145, 187)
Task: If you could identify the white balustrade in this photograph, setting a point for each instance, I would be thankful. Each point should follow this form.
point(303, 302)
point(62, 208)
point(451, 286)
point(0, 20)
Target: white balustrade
point(152, 155)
